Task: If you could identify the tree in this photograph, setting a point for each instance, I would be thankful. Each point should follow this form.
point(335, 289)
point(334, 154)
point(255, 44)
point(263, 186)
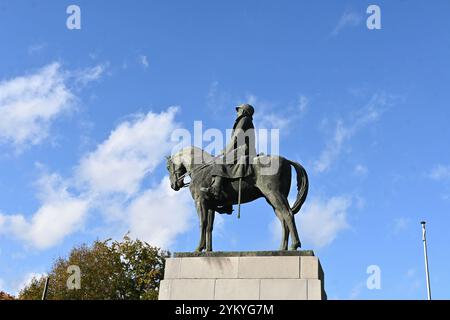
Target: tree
point(6, 296)
point(126, 270)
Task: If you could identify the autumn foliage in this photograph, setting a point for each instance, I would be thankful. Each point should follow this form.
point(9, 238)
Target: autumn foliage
point(110, 270)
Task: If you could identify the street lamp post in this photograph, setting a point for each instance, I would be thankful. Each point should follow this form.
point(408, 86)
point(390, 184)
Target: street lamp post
point(424, 240)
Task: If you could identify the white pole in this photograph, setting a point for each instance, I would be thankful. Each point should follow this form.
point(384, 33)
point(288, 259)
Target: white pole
point(44, 293)
point(424, 240)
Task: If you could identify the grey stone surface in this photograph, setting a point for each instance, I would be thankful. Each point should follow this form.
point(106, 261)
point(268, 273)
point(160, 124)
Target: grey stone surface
point(244, 253)
point(172, 268)
point(315, 289)
point(192, 289)
point(164, 290)
point(284, 289)
point(247, 276)
point(237, 289)
point(269, 267)
point(208, 268)
point(310, 268)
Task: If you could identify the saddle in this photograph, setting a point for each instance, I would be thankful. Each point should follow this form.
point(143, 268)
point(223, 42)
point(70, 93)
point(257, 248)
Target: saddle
point(249, 178)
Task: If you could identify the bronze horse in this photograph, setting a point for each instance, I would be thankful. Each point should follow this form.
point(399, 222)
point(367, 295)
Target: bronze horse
point(274, 187)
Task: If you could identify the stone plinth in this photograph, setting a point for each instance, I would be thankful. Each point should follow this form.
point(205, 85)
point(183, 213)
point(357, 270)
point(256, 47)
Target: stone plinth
point(256, 275)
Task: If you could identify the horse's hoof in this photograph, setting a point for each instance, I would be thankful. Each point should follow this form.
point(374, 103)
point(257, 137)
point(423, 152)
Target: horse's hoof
point(295, 246)
point(228, 209)
point(199, 249)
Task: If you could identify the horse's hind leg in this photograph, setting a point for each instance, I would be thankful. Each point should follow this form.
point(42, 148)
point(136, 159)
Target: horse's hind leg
point(284, 235)
point(209, 228)
point(284, 213)
point(202, 214)
point(290, 221)
point(284, 227)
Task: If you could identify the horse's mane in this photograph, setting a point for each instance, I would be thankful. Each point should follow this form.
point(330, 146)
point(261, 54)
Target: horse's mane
point(192, 154)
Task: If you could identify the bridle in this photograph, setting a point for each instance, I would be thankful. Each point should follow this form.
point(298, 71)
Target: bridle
point(177, 172)
point(188, 173)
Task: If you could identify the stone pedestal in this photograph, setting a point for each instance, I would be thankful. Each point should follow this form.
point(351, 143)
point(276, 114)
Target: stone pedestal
point(261, 275)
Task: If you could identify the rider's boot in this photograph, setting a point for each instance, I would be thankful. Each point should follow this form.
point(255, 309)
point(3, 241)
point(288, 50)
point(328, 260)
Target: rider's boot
point(219, 195)
point(216, 189)
point(228, 209)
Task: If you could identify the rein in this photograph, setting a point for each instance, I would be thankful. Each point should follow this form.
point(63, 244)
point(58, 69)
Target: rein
point(188, 173)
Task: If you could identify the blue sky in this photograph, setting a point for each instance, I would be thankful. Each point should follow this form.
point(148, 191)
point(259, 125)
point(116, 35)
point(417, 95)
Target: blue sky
point(86, 118)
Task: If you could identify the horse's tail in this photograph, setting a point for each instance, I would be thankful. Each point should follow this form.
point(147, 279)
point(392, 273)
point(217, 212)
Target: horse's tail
point(302, 186)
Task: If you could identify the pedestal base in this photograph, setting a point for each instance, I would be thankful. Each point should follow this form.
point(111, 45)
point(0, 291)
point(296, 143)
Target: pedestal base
point(261, 275)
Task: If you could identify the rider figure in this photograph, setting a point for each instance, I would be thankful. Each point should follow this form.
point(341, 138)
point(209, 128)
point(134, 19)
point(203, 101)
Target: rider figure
point(238, 154)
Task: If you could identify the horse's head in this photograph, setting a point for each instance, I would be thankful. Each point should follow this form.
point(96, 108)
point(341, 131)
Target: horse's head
point(176, 170)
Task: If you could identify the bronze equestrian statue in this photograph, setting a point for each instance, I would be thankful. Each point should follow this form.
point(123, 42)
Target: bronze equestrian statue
point(242, 144)
point(216, 187)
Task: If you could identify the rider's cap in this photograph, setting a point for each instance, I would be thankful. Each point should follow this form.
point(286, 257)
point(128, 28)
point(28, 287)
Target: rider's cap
point(247, 108)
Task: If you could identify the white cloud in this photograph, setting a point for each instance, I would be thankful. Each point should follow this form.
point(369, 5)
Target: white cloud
point(14, 286)
point(60, 215)
point(360, 202)
point(30, 103)
point(356, 291)
point(25, 281)
point(217, 101)
point(87, 75)
point(268, 114)
point(212, 95)
point(2, 221)
point(401, 224)
point(36, 48)
point(144, 61)
point(347, 19)
point(108, 180)
point(410, 283)
point(274, 121)
point(319, 222)
point(119, 165)
point(265, 113)
point(271, 116)
point(410, 272)
point(333, 148)
point(275, 230)
point(158, 215)
point(131, 151)
point(343, 132)
point(440, 172)
point(360, 170)
point(219, 226)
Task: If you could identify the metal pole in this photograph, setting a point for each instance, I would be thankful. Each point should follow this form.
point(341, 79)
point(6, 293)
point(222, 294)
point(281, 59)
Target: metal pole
point(424, 240)
point(239, 198)
point(44, 293)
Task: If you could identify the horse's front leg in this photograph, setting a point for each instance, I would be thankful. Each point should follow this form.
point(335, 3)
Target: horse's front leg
point(202, 214)
point(209, 229)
